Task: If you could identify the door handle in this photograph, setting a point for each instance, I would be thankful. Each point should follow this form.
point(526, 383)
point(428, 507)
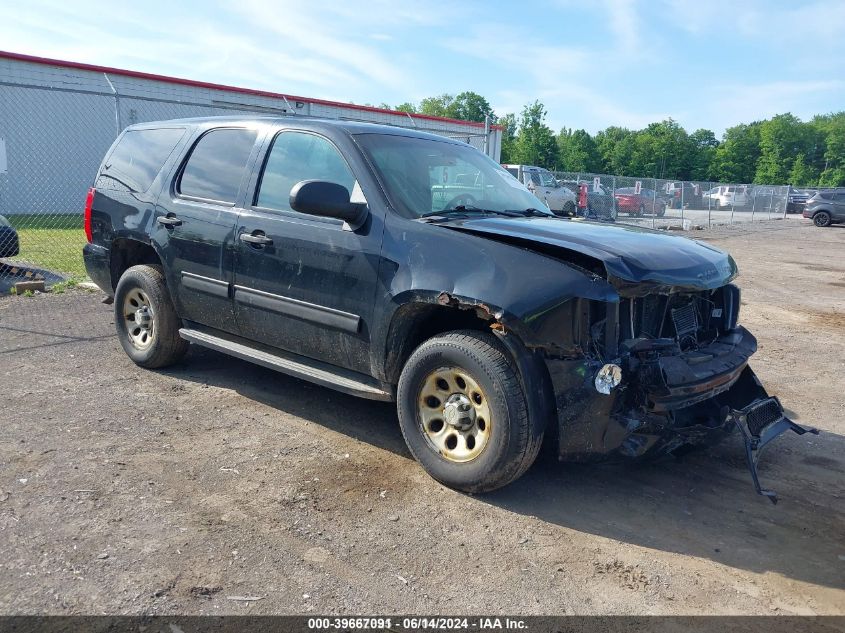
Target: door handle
point(256, 238)
point(169, 221)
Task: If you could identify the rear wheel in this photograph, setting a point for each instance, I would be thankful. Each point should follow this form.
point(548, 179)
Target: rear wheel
point(463, 412)
point(641, 211)
point(822, 218)
point(569, 208)
point(146, 321)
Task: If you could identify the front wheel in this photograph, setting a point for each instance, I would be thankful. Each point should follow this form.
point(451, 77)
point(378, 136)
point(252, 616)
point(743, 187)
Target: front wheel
point(822, 218)
point(463, 412)
point(146, 321)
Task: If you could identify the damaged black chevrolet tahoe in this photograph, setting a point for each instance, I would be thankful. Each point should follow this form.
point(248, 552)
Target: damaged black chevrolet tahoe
point(397, 265)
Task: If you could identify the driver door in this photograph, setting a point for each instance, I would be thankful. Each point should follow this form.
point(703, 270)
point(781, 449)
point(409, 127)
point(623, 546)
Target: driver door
point(303, 283)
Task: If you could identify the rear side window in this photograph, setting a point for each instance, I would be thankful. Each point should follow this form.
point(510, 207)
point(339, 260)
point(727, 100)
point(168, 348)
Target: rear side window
point(137, 159)
point(216, 165)
point(826, 196)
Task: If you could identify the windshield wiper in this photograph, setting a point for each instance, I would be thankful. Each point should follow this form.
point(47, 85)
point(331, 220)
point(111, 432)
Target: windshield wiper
point(467, 210)
point(532, 212)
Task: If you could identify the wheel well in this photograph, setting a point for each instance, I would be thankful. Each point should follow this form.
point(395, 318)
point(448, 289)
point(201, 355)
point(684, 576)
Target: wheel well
point(414, 323)
point(126, 253)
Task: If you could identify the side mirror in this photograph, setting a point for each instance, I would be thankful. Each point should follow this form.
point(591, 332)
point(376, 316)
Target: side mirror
point(326, 199)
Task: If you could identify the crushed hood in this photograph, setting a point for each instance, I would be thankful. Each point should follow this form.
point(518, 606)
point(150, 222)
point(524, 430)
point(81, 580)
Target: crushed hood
point(637, 260)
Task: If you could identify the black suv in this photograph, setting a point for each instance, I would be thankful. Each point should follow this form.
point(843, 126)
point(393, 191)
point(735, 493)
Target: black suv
point(328, 250)
point(826, 207)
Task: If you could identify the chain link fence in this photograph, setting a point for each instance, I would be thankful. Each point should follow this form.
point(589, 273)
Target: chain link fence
point(659, 203)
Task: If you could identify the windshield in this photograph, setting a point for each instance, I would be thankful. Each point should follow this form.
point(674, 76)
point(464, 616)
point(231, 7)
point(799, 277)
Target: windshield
point(422, 176)
point(546, 179)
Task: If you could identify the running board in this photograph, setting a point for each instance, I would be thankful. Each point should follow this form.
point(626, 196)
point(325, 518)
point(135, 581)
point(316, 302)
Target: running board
point(308, 369)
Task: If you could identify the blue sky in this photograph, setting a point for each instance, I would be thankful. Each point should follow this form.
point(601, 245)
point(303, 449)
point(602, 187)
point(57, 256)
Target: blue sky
point(705, 63)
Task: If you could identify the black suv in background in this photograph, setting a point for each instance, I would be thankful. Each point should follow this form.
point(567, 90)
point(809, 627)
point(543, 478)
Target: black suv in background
point(826, 207)
point(327, 251)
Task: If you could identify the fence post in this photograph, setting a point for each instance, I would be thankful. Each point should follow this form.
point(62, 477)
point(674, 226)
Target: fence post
point(753, 204)
point(654, 204)
point(682, 202)
point(733, 202)
point(785, 200)
point(116, 106)
point(709, 212)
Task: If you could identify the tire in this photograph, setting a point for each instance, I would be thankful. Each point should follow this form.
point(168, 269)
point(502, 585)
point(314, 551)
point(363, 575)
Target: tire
point(569, 209)
point(146, 321)
point(821, 218)
point(661, 211)
point(641, 211)
point(508, 442)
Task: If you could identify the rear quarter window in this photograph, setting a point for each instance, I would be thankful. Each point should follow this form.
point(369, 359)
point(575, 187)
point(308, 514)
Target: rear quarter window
point(217, 164)
point(137, 159)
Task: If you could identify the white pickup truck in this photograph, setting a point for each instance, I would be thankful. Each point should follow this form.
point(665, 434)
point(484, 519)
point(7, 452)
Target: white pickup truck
point(542, 183)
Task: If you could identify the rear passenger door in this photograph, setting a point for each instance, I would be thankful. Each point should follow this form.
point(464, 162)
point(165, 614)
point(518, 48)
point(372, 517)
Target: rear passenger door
point(838, 206)
point(303, 283)
point(195, 224)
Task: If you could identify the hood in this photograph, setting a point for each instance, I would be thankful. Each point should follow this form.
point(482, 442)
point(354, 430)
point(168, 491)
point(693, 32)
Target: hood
point(637, 260)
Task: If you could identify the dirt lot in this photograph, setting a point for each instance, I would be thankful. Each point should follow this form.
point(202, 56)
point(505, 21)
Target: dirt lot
point(129, 491)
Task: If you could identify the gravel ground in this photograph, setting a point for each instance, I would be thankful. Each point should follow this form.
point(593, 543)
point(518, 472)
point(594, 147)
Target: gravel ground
point(126, 491)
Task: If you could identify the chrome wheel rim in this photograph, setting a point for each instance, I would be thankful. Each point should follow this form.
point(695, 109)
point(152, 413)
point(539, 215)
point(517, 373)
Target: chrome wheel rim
point(454, 415)
point(139, 319)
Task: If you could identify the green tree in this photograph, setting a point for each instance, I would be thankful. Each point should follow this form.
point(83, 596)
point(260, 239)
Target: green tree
point(782, 138)
point(736, 157)
point(469, 106)
point(831, 149)
point(578, 151)
point(436, 106)
point(509, 128)
point(535, 142)
point(802, 174)
point(615, 146)
point(406, 107)
point(704, 146)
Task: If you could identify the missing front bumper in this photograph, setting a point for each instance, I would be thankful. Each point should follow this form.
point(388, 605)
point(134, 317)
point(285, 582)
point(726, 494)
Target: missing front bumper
point(759, 423)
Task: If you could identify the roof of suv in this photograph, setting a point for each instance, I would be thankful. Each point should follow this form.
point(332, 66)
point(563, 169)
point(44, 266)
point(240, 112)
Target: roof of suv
point(313, 123)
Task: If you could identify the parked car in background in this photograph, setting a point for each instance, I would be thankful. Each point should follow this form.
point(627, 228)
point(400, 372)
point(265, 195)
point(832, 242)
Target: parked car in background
point(310, 247)
point(600, 202)
point(766, 199)
point(543, 184)
point(9, 242)
point(726, 196)
point(633, 203)
point(797, 199)
point(684, 194)
point(826, 207)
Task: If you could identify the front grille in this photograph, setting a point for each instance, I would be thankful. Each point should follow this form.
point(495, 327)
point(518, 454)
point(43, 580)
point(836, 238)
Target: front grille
point(685, 320)
point(763, 415)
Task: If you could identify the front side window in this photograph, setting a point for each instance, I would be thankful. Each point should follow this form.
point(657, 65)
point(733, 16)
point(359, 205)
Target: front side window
point(297, 156)
point(216, 165)
point(423, 176)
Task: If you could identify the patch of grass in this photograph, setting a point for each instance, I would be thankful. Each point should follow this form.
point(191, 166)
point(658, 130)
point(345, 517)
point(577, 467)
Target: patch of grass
point(58, 250)
point(52, 241)
point(60, 221)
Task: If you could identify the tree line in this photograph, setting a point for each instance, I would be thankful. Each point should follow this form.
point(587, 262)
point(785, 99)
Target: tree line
point(779, 150)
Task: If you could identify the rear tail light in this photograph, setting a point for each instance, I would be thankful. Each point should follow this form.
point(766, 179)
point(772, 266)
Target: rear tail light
point(89, 201)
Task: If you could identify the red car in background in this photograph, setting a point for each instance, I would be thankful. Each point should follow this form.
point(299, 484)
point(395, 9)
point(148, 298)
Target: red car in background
point(633, 203)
